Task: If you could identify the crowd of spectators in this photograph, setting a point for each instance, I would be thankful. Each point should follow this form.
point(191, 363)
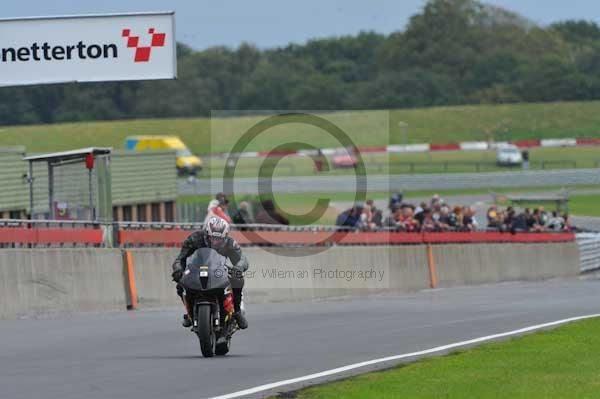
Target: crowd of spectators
point(536, 220)
point(438, 216)
point(433, 216)
point(266, 213)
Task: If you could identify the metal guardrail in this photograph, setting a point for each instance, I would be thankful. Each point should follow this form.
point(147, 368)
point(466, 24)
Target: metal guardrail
point(50, 223)
point(17, 233)
point(589, 251)
point(56, 233)
point(468, 166)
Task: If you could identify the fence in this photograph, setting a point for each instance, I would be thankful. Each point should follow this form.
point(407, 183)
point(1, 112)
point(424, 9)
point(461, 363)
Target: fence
point(24, 233)
point(471, 166)
point(589, 250)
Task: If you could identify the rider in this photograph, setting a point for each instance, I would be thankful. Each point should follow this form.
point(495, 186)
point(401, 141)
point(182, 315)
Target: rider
point(214, 235)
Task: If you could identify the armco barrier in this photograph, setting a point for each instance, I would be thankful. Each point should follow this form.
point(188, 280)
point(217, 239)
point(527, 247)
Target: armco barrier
point(51, 236)
point(143, 237)
point(42, 281)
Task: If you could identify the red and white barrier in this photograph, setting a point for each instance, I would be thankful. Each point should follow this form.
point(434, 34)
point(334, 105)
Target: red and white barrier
point(426, 147)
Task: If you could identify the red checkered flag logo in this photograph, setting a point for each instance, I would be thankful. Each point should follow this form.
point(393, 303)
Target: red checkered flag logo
point(142, 53)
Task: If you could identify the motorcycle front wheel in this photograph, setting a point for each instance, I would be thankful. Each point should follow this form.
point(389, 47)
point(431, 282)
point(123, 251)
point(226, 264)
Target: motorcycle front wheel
point(205, 330)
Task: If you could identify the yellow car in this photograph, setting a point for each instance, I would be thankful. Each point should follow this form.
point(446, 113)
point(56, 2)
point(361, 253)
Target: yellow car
point(187, 163)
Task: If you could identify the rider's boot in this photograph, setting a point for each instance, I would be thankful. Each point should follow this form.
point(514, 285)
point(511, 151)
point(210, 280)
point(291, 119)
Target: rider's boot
point(238, 314)
point(187, 320)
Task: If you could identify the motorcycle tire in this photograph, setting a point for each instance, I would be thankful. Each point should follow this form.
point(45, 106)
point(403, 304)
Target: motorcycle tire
point(205, 330)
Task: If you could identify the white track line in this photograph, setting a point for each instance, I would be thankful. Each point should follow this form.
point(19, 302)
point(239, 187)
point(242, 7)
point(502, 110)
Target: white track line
point(338, 370)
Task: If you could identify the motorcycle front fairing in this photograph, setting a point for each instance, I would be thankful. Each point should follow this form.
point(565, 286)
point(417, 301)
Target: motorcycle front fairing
point(205, 270)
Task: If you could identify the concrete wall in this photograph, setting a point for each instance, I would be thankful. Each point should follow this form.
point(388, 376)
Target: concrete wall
point(492, 263)
point(42, 281)
point(403, 269)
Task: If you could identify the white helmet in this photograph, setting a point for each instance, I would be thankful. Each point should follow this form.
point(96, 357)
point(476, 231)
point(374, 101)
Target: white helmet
point(216, 231)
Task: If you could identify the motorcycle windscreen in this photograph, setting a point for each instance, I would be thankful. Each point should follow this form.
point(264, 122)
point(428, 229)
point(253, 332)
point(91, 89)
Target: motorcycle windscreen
point(205, 271)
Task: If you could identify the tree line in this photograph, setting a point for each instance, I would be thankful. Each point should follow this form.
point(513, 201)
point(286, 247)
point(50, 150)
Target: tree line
point(452, 52)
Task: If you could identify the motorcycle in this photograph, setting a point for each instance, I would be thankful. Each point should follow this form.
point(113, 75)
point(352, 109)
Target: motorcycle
point(209, 297)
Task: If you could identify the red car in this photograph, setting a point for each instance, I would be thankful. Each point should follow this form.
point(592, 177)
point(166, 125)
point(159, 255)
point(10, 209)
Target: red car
point(343, 159)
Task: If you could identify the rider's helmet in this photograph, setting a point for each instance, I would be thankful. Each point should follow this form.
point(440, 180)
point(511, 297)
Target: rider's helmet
point(216, 231)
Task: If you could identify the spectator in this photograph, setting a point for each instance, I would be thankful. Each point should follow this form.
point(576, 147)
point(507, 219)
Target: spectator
point(350, 217)
point(210, 210)
point(428, 223)
point(444, 220)
point(493, 218)
point(418, 212)
point(529, 219)
point(407, 220)
point(436, 212)
point(220, 209)
point(366, 218)
point(243, 214)
point(374, 215)
point(556, 222)
point(509, 216)
point(458, 218)
point(394, 219)
point(469, 221)
point(543, 216)
point(525, 156)
point(395, 199)
point(269, 215)
point(518, 223)
point(435, 199)
point(537, 221)
point(378, 217)
point(216, 209)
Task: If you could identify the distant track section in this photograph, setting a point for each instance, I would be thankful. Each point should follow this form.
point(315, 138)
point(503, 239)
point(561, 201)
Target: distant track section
point(379, 183)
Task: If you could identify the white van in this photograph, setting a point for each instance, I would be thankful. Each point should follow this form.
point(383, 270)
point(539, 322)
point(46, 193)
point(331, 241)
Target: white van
point(508, 155)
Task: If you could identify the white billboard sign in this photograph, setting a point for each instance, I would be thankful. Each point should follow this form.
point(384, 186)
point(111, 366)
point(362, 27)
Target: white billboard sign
point(89, 48)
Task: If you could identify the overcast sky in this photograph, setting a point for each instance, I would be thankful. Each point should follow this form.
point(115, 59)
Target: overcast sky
point(271, 23)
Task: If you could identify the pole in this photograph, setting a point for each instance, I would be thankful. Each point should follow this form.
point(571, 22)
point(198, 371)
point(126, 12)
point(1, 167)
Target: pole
point(51, 190)
point(91, 188)
point(30, 190)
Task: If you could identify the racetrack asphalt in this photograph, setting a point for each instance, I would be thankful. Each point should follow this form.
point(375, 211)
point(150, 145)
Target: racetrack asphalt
point(147, 354)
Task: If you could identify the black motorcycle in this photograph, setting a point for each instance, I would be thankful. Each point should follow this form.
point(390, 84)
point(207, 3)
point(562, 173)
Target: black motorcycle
point(207, 291)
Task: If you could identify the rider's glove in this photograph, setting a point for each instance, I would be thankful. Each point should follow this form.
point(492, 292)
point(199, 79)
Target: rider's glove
point(242, 265)
point(177, 275)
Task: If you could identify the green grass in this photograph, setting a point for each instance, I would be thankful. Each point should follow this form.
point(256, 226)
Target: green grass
point(367, 128)
point(585, 205)
point(559, 364)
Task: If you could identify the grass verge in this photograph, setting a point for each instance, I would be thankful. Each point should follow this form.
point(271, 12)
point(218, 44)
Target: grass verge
point(562, 363)
point(365, 128)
